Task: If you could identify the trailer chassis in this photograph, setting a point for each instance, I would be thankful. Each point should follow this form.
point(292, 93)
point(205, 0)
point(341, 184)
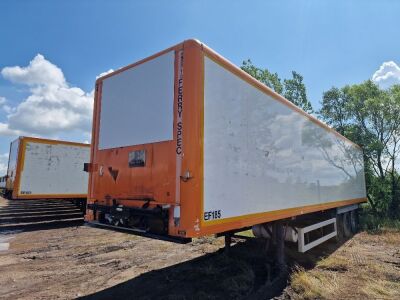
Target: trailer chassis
point(145, 219)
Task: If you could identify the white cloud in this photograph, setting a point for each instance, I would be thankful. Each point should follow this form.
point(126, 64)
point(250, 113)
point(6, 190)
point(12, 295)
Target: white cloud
point(387, 75)
point(53, 106)
point(3, 105)
point(6, 130)
point(3, 163)
point(8, 109)
point(39, 72)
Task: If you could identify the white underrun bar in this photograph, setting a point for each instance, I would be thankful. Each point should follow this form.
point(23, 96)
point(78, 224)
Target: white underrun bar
point(302, 247)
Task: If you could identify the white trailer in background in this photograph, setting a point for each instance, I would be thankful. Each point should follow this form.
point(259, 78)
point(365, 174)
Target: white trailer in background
point(3, 182)
point(47, 169)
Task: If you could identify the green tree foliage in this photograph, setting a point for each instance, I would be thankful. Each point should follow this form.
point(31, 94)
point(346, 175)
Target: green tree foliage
point(333, 108)
point(295, 92)
point(371, 117)
point(271, 80)
point(292, 89)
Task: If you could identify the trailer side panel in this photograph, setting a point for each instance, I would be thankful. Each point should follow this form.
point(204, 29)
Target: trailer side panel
point(261, 155)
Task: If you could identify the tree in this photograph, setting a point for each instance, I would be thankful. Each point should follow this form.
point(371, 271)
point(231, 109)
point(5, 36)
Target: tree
point(271, 80)
point(295, 92)
point(292, 89)
point(333, 109)
point(370, 117)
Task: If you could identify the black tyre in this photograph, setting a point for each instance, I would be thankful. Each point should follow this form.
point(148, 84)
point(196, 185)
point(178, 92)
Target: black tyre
point(354, 221)
point(8, 194)
point(339, 227)
point(347, 225)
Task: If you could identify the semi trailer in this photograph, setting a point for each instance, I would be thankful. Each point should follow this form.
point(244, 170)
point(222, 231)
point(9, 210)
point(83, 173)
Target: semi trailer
point(186, 144)
point(2, 183)
point(47, 169)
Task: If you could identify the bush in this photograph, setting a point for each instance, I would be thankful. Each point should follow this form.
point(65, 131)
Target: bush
point(373, 222)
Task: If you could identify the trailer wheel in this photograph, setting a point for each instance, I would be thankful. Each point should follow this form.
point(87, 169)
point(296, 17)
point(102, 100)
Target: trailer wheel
point(339, 227)
point(354, 221)
point(8, 194)
point(347, 225)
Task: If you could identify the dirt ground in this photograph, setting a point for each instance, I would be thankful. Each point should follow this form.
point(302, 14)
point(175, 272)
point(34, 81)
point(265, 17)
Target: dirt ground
point(94, 263)
point(66, 263)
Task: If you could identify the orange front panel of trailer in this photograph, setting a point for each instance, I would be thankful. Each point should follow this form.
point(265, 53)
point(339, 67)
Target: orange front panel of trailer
point(113, 179)
point(160, 178)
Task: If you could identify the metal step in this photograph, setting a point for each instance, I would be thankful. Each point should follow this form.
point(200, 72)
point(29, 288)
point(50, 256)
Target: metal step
point(42, 225)
point(38, 205)
point(37, 212)
point(16, 210)
point(39, 218)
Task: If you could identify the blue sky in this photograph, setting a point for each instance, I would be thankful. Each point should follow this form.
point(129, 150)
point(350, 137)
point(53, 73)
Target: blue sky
point(331, 43)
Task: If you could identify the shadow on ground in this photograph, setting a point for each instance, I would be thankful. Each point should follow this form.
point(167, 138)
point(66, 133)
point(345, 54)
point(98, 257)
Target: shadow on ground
point(245, 273)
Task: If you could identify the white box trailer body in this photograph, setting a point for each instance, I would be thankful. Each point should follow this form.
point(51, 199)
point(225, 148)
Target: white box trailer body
point(40, 168)
point(264, 151)
point(224, 152)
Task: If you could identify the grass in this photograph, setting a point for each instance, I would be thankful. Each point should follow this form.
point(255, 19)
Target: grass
point(390, 236)
point(381, 289)
point(366, 267)
point(332, 263)
point(248, 233)
point(373, 223)
point(314, 285)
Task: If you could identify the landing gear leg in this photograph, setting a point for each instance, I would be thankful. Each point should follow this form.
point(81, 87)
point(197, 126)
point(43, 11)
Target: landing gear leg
point(228, 242)
point(280, 245)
